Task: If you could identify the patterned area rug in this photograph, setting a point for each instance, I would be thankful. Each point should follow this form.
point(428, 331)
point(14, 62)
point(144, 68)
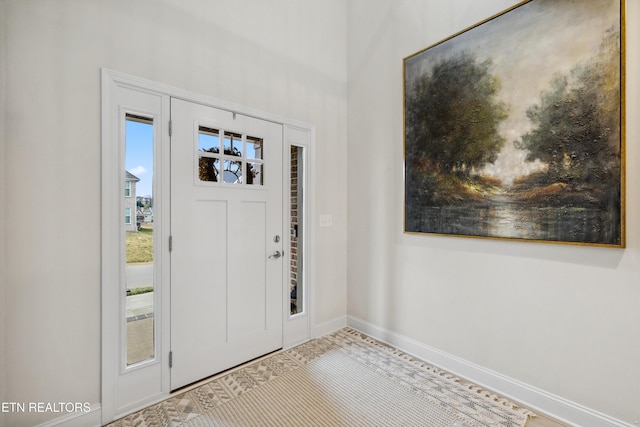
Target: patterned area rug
point(343, 379)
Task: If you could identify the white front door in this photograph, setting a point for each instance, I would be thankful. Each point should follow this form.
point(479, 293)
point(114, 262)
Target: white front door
point(227, 240)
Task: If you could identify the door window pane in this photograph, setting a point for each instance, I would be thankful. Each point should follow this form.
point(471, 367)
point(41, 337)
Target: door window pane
point(254, 173)
point(232, 144)
point(254, 147)
point(209, 140)
point(208, 169)
point(233, 171)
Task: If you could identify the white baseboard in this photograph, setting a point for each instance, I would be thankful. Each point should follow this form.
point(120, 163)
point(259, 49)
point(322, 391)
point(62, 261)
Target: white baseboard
point(537, 400)
point(329, 327)
point(92, 418)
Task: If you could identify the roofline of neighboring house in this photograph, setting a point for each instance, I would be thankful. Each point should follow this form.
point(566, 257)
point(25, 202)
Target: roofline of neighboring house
point(131, 177)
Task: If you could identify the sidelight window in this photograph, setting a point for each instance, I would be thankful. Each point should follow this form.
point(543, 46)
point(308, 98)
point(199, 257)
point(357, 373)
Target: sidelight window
point(296, 252)
point(139, 238)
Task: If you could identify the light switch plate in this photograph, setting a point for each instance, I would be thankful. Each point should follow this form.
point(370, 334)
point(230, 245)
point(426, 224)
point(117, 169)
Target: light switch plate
point(325, 221)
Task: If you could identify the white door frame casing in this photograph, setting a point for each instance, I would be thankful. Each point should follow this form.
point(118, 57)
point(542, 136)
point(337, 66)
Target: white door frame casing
point(296, 328)
point(112, 406)
point(126, 388)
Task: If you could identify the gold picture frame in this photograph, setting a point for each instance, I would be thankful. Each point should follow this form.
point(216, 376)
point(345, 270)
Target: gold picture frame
point(514, 128)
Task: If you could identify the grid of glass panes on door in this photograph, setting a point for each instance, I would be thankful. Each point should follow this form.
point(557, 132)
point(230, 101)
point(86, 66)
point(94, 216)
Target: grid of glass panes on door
point(229, 157)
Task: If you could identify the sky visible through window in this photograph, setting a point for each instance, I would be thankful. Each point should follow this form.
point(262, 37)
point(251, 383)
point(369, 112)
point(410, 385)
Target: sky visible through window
point(139, 155)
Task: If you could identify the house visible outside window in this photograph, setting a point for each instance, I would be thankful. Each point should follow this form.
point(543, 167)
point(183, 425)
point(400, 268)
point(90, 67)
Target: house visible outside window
point(127, 215)
point(130, 200)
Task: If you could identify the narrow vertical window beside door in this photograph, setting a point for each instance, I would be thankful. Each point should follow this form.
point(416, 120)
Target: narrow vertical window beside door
point(139, 236)
point(296, 257)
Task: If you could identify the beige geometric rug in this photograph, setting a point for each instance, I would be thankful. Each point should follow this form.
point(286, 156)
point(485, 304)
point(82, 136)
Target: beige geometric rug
point(342, 379)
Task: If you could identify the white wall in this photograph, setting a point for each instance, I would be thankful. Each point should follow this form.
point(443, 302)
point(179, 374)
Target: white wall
point(287, 57)
point(565, 319)
point(3, 267)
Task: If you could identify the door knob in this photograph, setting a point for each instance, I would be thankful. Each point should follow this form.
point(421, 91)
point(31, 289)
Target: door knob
point(276, 255)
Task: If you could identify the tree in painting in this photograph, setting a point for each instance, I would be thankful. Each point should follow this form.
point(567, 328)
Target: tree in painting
point(452, 123)
point(576, 129)
point(454, 116)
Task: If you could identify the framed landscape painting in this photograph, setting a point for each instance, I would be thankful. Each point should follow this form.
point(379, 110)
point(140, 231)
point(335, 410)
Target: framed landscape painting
point(514, 128)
